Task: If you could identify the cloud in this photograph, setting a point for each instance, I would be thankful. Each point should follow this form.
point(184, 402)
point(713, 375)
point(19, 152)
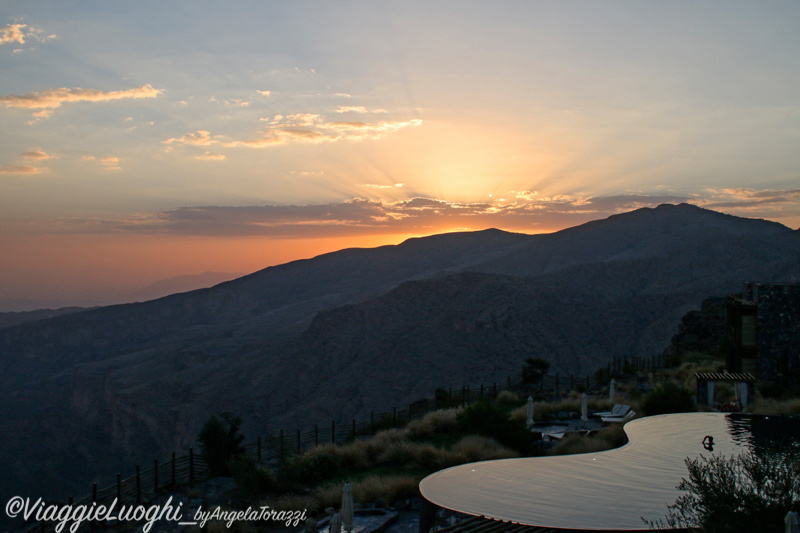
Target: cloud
point(358, 216)
point(358, 109)
point(308, 128)
point(265, 93)
point(198, 138)
point(208, 156)
point(36, 155)
point(108, 162)
point(375, 186)
point(21, 33)
point(19, 169)
point(12, 33)
point(54, 98)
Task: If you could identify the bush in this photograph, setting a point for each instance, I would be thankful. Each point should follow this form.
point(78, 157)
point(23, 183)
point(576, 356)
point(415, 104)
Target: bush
point(435, 422)
point(490, 420)
point(534, 369)
point(251, 476)
point(220, 441)
point(751, 492)
point(605, 439)
point(508, 397)
point(668, 398)
point(316, 465)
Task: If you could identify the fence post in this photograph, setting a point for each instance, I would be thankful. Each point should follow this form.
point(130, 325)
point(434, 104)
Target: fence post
point(173, 469)
point(138, 485)
point(191, 464)
point(155, 478)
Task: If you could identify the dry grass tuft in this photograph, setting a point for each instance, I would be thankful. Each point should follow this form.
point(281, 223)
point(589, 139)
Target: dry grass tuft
point(608, 438)
point(434, 422)
point(369, 489)
point(508, 397)
point(478, 448)
point(775, 407)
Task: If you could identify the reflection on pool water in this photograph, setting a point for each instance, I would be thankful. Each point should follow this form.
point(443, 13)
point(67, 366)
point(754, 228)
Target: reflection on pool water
point(614, 489)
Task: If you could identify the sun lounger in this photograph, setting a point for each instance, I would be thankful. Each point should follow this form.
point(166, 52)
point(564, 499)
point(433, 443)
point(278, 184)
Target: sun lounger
point(618, 419)
point(613, 412)
point(621, 412)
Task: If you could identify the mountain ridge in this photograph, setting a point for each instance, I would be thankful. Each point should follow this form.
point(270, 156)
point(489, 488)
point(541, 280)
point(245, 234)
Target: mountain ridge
point(334, 336)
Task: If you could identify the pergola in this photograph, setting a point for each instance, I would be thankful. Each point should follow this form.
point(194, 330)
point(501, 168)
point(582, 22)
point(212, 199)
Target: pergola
point(744, 386)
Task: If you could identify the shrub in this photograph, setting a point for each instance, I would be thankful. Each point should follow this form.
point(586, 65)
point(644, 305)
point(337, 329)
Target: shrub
point(251, 476)
point(314, 466)
point(606, 439)
point(668, 398)
point(370, 489)
point(478, 448)
point(489, 419)
point(751, 492)
point(220, 440)
point(534, 369)
point(775, 407)
point(508, 397)
point(435, 422)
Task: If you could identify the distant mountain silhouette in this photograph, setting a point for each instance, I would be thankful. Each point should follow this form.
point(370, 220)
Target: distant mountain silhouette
point(89, 394)
point(177, 284)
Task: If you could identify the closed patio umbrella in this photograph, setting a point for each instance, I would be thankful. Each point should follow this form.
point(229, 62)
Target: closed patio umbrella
point(611, 390)
point(584, 409)
point(347, 507)
point(530, 411)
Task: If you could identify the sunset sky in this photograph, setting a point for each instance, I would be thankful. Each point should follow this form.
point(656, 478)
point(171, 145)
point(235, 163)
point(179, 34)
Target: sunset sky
point(145, 140)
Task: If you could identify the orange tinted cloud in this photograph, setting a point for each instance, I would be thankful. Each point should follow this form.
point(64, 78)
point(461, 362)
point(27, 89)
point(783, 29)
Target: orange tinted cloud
point(36, 155)
point(53, 98)
point(306, 128)
point(13, 33)
point(359, 216)
point(19, 169)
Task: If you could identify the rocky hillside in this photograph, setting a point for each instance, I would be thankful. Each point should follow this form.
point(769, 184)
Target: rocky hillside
point(85, 395)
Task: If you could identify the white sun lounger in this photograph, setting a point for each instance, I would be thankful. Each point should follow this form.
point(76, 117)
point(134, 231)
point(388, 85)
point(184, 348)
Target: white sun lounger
point(618, 410)
point(618, 419)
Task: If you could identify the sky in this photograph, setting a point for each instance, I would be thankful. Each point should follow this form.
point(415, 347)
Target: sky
point(145, 140)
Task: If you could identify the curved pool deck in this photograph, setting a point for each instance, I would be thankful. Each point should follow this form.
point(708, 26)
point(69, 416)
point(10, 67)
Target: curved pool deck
point(610, 490)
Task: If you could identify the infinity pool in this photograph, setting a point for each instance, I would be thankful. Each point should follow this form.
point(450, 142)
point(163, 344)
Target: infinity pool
point(611, 490)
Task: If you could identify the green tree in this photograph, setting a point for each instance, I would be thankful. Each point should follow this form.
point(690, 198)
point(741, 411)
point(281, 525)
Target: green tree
point(534, 369)
point(221, 440)
point(668, 398)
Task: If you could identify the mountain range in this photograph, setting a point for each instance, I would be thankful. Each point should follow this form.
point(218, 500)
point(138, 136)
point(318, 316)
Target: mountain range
point(88, 394)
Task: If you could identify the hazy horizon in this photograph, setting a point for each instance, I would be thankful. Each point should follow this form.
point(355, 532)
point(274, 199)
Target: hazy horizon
point(147, 141)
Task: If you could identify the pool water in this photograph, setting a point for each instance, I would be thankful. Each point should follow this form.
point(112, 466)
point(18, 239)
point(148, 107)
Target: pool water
point(611, 490)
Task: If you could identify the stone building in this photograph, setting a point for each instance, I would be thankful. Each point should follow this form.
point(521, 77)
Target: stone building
point(764, 324)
